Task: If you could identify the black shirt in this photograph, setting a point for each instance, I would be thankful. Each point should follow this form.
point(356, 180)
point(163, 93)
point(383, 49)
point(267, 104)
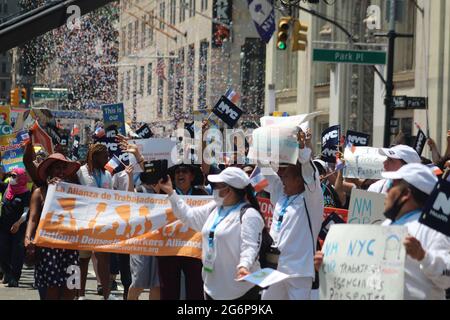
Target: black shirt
point(12, 210)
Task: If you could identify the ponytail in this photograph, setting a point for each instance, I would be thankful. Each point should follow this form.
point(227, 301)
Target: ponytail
point(248, 194)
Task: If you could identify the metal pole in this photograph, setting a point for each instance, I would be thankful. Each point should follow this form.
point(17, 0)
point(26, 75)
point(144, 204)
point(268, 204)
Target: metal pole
point(390, 75)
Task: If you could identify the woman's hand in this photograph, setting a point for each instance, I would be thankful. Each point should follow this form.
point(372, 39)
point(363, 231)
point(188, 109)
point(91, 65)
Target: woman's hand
point(129, 171)
point(166, 186)
point(28, 243)
point(318, 260)
point(414, 248)
point(242, 272)
point(54, 180)
point(301, 138)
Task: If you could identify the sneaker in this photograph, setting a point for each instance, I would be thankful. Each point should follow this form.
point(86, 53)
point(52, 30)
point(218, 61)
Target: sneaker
point(113, 285)
point(99, 290)
point(82, 298)
point(13, 284)
point(113, 297)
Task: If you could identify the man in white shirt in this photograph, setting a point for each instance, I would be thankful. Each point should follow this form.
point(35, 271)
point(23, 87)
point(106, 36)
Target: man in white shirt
point(397, 157)
point(297, 218)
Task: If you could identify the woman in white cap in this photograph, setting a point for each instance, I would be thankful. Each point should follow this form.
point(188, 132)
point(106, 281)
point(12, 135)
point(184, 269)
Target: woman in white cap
point(230, 240)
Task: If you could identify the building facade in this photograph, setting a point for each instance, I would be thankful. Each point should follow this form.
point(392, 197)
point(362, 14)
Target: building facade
point(173, 61)
point(353, 95)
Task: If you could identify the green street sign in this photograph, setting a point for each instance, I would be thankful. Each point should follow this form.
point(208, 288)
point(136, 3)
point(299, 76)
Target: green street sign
point(349, 56)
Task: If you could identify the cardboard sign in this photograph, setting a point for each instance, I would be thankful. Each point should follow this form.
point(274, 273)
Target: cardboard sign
point(5, 121)
point(292, 121)
point(158, 149)
point(13, 158)
point(366, 207)
point(114, 117)
point(85, 218)
point(330, 143)
point(274, 144)
point(420, 142)
point(144, 132)
point(363, 262)
point(358, 139)
point(227, 111)
point(363, 163)
point(436, 213)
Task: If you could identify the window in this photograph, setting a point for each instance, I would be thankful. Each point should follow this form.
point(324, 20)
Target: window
point(150, 28)
point(171, 84)
point(136, 34)
point(182, 10)
point(191, 8)
point(149, 79)
point(141, 81)
point(3, 67)
point(123, 40)
point(122, 86)
point(173, 11)
point(190, 63)
point(144, 31)
point(130, 35)
point(162, 14)
point(160, 95)
point(203, 74)
point(204, 5)
point(135, 82)
point(179, 89)
point(127, 85)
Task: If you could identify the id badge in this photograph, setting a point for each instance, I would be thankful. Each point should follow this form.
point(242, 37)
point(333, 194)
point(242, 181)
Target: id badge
point(210, 257)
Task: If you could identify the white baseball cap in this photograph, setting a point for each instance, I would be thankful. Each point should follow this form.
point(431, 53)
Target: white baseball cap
point(416, 174)
point(232, 176)
point(401, 152)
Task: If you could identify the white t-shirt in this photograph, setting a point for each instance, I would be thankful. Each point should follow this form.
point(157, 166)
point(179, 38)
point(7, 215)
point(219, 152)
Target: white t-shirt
point(236, 243)
point(86, 179)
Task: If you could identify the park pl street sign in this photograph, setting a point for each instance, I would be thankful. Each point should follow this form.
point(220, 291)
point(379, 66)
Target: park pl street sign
point(349, 56)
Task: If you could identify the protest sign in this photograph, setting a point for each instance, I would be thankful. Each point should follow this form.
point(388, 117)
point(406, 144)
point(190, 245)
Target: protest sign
point(157, 149)
point(13, 158)
point(41, 137)
point(363, 163)
point(266, 208)
point(5, 121)
point(363, 262)
point(18, 117)
point(114, 150)
point(358, 139)
point(227, 111)
point(85, 218)
point(420, 142)
point(275, 144)
point(331, 216)
point(54, 133)
point(330, 143)
point(265, 277)
point(293, 121)
point(144, 132)
point(114, 118)
point(436, 213)
point(366, 207)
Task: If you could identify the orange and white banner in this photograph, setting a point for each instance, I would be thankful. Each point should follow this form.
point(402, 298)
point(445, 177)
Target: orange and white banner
point(84, 218)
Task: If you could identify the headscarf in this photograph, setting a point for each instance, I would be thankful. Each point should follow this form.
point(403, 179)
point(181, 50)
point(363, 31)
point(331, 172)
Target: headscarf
point(20, 187)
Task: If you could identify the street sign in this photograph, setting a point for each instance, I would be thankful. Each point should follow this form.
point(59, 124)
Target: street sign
point(349, 56)
point(405, 102)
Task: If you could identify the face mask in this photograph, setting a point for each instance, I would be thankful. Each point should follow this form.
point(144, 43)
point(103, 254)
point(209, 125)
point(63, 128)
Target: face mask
point(217, 198)
point(393, 211)
point(13, 182)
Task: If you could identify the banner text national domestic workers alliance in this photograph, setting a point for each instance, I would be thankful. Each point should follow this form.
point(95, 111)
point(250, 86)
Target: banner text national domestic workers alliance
point(84, 218)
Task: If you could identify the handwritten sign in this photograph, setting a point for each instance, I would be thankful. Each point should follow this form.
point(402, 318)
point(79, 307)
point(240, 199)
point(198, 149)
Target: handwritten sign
point(363, 163)
point(363, 262)
point(158, 149)
point(265, 277)
point(366, 207)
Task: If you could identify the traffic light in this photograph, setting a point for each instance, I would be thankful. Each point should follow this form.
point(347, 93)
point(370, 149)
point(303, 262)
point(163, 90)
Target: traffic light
point(283, 33)
point(23, 96)
point(299, 36)
point(15, 97)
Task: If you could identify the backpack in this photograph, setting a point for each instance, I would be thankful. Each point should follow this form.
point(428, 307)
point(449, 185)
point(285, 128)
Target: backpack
point(266, 242)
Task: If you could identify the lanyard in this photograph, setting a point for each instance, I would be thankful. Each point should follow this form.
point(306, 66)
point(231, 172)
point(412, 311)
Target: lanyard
point(404, 219)
point(181, 192)
point(98, 178)
point(220, 217)
point(283, 211)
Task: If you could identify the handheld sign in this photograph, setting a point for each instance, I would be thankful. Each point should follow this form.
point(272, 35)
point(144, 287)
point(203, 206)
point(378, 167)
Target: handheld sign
point(363, 163)
point(227, 111)
point(358, 139)
point(366, 207)
point(114, 117)
point(144, 132)
point(436, 213)
point(420, 142)
point(330, 142)
point(363, 262)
